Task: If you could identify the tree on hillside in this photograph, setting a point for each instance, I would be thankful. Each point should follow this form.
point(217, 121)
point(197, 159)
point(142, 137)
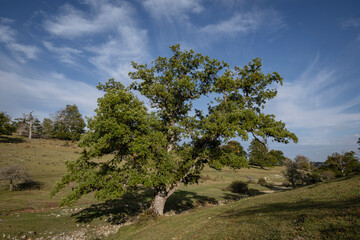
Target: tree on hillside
point(293, 173)
point(6, 127)
point(28, 126)
point(343, 164)
point(14, 173)
point(173, 143)
point(46, 128)
point(259, 155)
point(68, 124)
point(236, 148)
point(303, 163)
point(301, 171)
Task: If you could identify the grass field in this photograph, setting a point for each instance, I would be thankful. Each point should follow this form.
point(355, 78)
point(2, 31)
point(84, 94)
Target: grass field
point(33, 213)
point(207, 210)
point(322, 211)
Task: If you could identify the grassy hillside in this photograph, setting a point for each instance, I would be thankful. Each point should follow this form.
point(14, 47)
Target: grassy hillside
point(322, 211)
point(33, 213)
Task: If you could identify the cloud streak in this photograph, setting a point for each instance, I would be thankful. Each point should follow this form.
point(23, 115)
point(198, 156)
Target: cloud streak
point(173, 10)
point(21, 51)
point(243, 23)
point(120, 40)
point(53, 92)
point(350, 23)
point(313, 104)
point(73, 23)
point(66, 55)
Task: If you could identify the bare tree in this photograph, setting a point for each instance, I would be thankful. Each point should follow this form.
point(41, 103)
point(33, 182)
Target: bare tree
point(14, 173)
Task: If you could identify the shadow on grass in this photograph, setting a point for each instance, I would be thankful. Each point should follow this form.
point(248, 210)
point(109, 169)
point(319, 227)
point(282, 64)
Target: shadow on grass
point(29, 185)
point(306, 205)
point(132, 204)
point(184, 200)
point(116, 211)
point(9, 139)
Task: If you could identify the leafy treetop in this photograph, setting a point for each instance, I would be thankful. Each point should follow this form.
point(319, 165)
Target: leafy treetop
point(172, 144)
point(259, 155)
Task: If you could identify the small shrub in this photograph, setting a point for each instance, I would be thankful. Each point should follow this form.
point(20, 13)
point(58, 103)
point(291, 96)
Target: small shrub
point(262, 182)
point(328, 175)
point(239, 187)
point(311, 178)
point(66, 144)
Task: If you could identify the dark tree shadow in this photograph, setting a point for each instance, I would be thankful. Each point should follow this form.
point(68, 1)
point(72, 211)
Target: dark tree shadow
point(116, 211)
point(8, 139)
point(132, 204)
point(184, 200)
point(29, 185)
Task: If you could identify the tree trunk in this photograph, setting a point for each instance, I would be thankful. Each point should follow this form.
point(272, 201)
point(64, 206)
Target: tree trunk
point(158, 203)
point(30, 125)
point(11, 186)
point(160, 197)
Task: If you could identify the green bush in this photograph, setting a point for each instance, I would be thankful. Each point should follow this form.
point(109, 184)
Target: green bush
point(311, 178)
point(239, 187)
point(262, 182)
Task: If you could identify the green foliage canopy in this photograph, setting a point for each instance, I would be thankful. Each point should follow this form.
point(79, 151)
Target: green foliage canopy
point(259, 155)
point(343, 164)
point(68, 124)
point(6, 127)
point(172, 143)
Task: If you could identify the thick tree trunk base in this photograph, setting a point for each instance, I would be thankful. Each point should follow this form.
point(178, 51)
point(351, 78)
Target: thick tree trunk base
point(158, 204)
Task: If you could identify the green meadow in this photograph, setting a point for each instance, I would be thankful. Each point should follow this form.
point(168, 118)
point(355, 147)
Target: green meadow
point(208, 210)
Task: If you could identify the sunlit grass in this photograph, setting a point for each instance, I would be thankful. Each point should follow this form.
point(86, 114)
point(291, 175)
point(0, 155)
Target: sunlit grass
point(322, 211)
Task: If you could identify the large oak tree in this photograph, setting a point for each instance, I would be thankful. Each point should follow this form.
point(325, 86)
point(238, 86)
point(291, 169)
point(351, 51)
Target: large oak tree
point(170, 143)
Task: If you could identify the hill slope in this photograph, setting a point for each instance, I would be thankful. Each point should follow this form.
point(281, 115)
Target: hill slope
point(323, 211)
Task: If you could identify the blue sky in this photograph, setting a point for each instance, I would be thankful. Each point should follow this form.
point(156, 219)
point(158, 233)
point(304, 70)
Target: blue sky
point(53, 53)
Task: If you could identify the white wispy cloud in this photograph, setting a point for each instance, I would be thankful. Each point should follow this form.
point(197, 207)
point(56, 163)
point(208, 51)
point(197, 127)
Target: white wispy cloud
point(350, 22)
point(246, 22)
point(66, 55)
point(119, 39)
point(314, 103)
point(22, 52)
point(73, 23)
point(53, 91)
point(173, 10)
point(114, 56)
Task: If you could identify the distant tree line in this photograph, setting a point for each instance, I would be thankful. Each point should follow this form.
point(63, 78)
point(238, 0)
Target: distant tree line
point(303, 172)
point(65, 124)
point(300, 171)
